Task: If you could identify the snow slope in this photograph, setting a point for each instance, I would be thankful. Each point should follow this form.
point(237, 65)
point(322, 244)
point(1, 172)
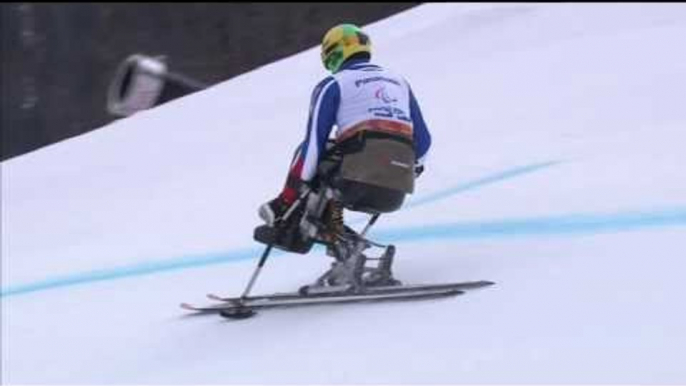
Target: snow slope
point(557, 171)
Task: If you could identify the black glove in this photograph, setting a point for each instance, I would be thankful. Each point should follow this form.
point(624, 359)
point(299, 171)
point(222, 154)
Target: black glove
point(273, 210)
point(418, 170)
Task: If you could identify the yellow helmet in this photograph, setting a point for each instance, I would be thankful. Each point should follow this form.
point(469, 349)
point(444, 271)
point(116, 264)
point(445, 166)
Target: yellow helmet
point(342, 42)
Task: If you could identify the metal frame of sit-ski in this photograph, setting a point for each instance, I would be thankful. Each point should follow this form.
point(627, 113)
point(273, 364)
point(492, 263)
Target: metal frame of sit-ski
point(349, 271)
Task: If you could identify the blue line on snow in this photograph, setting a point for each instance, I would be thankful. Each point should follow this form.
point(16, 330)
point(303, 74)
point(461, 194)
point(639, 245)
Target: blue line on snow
point(558, 225)
point(133, 270)
point(217, 258)
point(497, 177)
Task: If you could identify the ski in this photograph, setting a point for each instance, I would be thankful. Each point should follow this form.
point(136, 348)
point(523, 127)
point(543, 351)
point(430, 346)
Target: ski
point(238, 308)
point(249, 305)
point(369, 290)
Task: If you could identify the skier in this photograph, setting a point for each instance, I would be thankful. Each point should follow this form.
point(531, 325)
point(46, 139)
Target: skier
point(381, 136)
point(379, 149)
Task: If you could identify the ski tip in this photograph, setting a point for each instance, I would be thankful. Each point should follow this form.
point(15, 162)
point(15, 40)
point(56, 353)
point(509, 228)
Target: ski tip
point(187, 306)
point(214, 297)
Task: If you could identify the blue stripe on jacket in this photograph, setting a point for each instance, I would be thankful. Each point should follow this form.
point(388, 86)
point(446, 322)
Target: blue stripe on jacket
point(324, 103)
point(422, 138)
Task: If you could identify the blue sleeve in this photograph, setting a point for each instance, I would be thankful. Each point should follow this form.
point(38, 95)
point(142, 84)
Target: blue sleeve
point(422, 137)
point(326, 98)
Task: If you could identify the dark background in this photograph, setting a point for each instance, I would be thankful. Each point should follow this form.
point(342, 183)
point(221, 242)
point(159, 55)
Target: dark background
point(58, 58)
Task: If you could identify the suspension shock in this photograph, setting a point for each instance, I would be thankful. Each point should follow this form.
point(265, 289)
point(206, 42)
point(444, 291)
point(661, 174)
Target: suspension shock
point(336, 216)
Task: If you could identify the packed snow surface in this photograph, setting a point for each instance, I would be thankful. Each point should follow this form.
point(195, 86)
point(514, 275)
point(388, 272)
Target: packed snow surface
point(557, 171)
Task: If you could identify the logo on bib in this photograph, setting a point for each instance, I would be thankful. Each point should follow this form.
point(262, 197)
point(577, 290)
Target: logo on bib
point(382, 94)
